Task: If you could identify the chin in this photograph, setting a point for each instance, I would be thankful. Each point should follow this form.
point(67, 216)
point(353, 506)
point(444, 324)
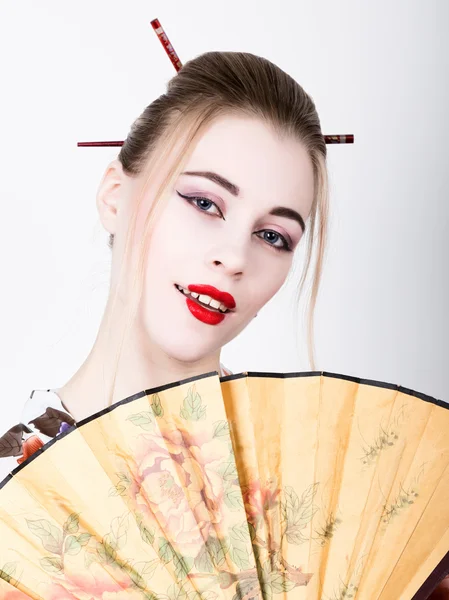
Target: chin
point(186, 358)
point(181, 346)
point(177, 334)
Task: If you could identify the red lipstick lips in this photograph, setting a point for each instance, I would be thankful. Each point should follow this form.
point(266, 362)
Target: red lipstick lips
point(211, 291)
point(207, 314)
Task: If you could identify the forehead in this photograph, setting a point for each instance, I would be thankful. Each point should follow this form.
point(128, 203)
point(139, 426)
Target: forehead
point(256, 158)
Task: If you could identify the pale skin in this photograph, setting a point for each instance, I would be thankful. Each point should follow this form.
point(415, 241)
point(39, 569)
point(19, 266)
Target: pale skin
point(226, 241)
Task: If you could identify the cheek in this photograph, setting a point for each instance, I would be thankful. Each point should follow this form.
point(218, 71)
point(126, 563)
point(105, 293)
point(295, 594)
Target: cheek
point(183, 234)
point(266, 284)
point(171, 247)
point(273, 287)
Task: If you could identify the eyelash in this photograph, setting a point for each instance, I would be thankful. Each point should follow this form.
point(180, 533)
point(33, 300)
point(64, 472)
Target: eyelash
point(285, 248)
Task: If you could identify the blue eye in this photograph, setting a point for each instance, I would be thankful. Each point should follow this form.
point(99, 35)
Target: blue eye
point(194, 199)
point(209, 203)
point(285, 245)
point(206, 204)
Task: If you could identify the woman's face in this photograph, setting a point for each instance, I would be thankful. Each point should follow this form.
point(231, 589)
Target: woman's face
point(218, 229)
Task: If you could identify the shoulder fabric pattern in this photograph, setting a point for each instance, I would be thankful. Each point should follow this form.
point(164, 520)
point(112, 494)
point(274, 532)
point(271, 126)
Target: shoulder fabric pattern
point(43, 417)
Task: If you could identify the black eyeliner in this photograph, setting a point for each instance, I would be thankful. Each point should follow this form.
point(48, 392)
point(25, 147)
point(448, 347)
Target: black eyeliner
point(190, 199)
point(286, 246)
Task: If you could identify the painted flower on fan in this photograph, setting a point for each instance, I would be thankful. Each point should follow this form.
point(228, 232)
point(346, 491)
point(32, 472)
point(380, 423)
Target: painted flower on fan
point(258, 499)
point(100, 581)
point(94, 582)
point(177, 486)
point(15, 595)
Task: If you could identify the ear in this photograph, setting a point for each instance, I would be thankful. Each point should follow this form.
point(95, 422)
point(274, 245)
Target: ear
point(109, 195)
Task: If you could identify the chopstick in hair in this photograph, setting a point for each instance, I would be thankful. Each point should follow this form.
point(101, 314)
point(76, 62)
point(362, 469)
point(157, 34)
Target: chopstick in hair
point(174, 58)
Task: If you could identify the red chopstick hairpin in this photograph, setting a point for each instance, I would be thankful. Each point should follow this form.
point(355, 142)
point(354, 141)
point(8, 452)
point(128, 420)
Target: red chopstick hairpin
point(329, 139)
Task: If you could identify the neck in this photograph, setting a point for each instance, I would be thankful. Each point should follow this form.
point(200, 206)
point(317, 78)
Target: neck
point(141, 366)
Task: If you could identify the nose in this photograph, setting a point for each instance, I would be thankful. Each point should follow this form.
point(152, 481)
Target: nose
point(233, 271)
point(230, 258)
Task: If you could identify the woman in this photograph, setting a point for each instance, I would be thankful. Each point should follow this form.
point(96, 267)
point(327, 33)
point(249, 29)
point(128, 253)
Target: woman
point(215, 187)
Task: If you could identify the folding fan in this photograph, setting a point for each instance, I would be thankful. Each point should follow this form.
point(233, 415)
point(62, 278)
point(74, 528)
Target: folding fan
point(311, 486)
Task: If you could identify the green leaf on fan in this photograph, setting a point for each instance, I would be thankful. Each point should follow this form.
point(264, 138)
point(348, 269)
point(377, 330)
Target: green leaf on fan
point(203, 561)
point(228, 471)
point(183, 565)
point(140, 572)
point(192, 408)
point(294, 536)
point(72, 523)
point(118, 490)
point(240, 533)
point(298, 512)
point(8, 570)
point(209, 595)
point(50, 536)
point(143, 419)
point(264, 573)
point(252, 531)
point(217, 550)
point(292, 500)
point(280, 583)
point(240, 541)
point(119, 531)
point(90, 556)
point(72, 545)
point(196, 400)
point(84, 538)
point(193, 399)
point(146, 534)
point(165, 550)
point(221, 430)
point(194, 595)
point(308, 495)
point(303, 518)
point(51, 564)
point(176, 592)
point(244, 588)
point(257, 551)
point(156, 406)
point(149, 567)
point(240, 556)
point(233, 499)
point(137, 579)
point(105, 551)
point(151, 596)
point(267, 592)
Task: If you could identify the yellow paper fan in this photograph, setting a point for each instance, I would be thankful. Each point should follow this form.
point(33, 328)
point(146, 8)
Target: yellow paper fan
point(308, 486)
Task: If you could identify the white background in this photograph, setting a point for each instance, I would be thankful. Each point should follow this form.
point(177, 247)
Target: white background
point(84, 70)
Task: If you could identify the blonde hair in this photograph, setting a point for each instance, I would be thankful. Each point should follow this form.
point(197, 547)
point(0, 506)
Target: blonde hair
point(162, 138)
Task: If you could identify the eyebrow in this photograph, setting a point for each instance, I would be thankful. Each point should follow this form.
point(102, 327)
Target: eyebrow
point(277, 211)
